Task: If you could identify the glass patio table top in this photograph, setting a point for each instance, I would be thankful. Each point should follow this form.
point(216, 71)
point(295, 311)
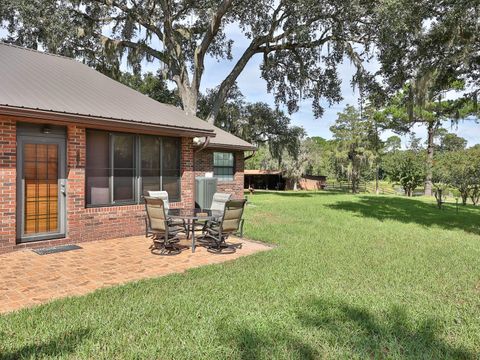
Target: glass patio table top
point(193, 214)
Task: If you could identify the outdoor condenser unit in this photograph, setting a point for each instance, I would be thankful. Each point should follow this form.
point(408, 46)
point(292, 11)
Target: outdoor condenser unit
point(205, 187)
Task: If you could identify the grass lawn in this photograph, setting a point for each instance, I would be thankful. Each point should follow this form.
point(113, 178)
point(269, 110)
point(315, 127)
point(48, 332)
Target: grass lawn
point(353, 277)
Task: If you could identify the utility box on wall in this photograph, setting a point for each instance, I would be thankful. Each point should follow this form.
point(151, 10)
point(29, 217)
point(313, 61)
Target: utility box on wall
point(205, 187)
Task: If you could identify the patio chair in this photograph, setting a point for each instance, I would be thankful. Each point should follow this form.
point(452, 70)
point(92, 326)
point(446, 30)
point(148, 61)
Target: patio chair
point(164, 196)
point(160, 195)
point(219, 200)
point(164, 233)
point(218, 205)
point(219, 231)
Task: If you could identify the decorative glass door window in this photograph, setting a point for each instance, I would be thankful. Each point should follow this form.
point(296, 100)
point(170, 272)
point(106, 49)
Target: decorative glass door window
point(40, 170)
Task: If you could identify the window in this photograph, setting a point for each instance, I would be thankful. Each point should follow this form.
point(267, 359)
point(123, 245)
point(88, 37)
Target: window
point(223, 166)
point(150, 163)
point(122, 167)
point(171, 167)
point(98, 168)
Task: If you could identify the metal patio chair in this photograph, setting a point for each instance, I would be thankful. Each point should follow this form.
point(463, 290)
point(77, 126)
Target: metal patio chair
point(219, 231)
point(164, 196)
point(163, 232)
point(219, 200)
point(218, 205)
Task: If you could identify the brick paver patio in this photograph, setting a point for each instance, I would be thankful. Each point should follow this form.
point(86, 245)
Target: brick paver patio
point(28, 279)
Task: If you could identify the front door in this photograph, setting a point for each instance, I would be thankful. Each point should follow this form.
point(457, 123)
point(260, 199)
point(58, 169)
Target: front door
point(41, 167)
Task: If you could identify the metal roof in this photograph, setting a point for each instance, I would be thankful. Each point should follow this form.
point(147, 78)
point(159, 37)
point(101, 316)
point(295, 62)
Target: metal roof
point(33, 80)
point(261, 172)
point(225, 140)
point(46, 84)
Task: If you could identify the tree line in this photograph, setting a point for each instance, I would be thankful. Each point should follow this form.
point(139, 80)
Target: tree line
point(356, 153)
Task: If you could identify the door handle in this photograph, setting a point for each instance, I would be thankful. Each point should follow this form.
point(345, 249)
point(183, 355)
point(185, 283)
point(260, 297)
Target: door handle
point(63, 189)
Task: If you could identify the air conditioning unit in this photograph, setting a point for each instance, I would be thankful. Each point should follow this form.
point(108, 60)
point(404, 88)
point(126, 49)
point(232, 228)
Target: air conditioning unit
point(205, 187)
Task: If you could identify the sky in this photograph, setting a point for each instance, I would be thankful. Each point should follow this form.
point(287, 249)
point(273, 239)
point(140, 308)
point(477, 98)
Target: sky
point(254, 89)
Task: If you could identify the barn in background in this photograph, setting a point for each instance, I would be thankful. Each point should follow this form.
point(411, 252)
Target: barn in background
point(275, 180)
point(264, 180)
point(312, 182)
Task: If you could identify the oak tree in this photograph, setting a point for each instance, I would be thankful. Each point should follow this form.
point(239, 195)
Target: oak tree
point(301, 42)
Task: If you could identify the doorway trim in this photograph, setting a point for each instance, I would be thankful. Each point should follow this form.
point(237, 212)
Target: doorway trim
point(35, 134)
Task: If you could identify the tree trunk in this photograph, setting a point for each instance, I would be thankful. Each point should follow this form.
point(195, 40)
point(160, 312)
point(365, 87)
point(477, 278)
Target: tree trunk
point(377, 189)
point(189, 101)
point(354, 175)
point(475, 195)
point(214, 111)
point(464, 195)
point(430, 145)
point(188, 95)
point(354, 183)
point(439, 197)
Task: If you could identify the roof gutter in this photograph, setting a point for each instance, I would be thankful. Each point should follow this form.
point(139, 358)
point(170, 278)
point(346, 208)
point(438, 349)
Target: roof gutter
point(62, 118)
point(231, 147)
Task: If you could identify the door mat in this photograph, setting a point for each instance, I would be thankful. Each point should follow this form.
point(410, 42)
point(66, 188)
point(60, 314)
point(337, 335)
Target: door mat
point(56, 249)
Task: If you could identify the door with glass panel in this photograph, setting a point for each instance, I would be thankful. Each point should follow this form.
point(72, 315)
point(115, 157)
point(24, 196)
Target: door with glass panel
point(41, 186)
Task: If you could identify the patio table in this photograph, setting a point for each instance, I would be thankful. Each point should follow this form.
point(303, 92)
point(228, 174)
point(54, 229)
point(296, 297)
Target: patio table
point(192, 216)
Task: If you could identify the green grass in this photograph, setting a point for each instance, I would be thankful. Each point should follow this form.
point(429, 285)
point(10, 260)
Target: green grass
point(352, 277)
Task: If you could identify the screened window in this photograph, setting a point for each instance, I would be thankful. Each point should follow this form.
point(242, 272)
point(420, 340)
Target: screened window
point(223, 165)
point(98, 168)
point(171, 167)
point(123, 167)
point(150, 163)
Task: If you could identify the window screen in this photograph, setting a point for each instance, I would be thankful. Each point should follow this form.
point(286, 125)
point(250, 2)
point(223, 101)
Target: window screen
point(122, 167)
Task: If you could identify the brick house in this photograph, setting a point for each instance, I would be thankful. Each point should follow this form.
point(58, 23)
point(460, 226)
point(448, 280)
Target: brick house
point(78, 150)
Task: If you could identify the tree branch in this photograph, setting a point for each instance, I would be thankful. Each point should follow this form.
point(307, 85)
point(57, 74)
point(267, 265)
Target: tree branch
point(143, 22)
point(228, 82)
point(201, 50)
point(135, 45)
point(176, 65)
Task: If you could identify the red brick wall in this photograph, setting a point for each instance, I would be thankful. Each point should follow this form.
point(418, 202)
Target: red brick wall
point(8, 160)
point(83, 224)
point(87, 224)
point(204, 163)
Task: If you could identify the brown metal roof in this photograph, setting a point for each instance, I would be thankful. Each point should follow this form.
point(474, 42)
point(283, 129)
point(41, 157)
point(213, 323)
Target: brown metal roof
point(225, 140)
point(262, 172)
point(31, 80)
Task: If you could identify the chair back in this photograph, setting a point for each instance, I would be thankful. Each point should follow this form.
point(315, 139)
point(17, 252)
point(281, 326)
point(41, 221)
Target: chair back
point(219, 201)
point(157, 219)
point(161, 195)
point(232, 215)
